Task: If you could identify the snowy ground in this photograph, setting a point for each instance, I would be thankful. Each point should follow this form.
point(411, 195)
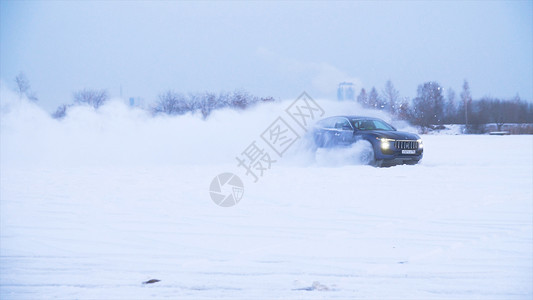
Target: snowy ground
point(457, 226)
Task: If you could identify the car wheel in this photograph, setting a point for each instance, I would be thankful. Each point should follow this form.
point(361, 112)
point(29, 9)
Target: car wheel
point(367, 154)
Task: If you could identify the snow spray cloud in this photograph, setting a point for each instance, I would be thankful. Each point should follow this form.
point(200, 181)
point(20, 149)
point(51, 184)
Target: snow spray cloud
point(119, 135)
point(256, 159)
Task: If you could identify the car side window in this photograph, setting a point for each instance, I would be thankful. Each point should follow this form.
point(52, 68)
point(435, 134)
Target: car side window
point(341, 123)
point(381, 126)
point(367, 125)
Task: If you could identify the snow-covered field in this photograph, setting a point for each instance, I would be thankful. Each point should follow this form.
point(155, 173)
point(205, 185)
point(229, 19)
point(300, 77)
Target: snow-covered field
point(92, 206)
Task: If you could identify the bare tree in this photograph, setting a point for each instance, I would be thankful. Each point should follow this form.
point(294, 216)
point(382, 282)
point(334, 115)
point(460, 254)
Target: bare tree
point(403, 110)
point(23, 87)
point(61, 112)
point(391, 97)
point(373, 98)
point(94, 98)
point(363, 98)
point(450, 109)
point(208, 102)
point(167, 103)
point(223, 100)
point(173, 103)
point(240, 99)
point(498, 115)
point(428, 105)
point(466, 97)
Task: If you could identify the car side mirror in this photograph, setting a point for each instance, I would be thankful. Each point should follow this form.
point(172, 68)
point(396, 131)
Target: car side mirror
point(346, 127)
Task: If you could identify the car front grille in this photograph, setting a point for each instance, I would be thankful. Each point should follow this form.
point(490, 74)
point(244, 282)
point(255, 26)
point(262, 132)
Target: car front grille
point(407, 145)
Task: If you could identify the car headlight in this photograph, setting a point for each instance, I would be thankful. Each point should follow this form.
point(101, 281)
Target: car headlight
point(420, 144)
point(385, 143)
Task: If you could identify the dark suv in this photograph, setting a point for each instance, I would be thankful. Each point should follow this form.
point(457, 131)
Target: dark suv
point(389, 146)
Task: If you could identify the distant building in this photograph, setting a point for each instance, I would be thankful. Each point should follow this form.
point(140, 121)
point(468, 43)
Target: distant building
point(136, 102)
point(346, 91)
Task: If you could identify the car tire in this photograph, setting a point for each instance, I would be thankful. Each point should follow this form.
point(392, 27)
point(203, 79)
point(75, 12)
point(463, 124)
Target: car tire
point(367, 157)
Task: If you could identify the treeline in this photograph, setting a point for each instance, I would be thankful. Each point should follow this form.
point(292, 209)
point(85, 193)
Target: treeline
point(432, 108)
point(173, 103)
point(91, 97)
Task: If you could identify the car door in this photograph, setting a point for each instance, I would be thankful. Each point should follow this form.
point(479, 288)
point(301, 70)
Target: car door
point(358, 133)
point(325, 134)
point(343, 131)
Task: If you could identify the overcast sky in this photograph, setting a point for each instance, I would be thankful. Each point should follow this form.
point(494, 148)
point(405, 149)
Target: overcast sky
point(270, 49)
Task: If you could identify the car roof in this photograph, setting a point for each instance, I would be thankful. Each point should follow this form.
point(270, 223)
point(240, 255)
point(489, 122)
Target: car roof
point(351, 117)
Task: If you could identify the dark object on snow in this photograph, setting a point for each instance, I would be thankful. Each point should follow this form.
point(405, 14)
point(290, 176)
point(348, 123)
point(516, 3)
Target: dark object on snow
point(499, 133)
point(317, 286)
point(403, 262)
point(151, 281)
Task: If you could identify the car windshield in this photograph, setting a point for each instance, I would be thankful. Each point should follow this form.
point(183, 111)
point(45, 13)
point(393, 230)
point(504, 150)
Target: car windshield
point(371, 125)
